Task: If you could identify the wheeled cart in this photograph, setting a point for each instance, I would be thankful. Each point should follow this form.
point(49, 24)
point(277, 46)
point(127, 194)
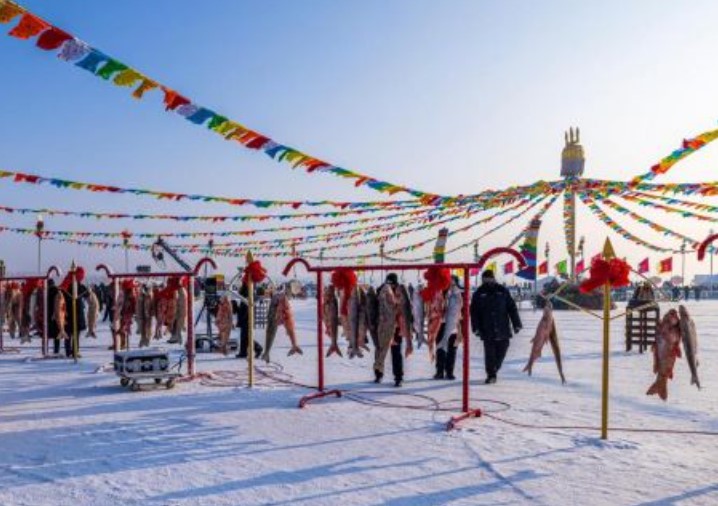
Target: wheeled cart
point(147, 365)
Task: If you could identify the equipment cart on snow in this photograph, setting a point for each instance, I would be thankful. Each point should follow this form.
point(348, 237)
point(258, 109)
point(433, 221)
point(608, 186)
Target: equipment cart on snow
point(150, 365)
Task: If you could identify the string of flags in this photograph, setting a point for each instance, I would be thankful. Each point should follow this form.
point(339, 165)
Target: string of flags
point(415, 209)
point(73, 50)
point(25, 178)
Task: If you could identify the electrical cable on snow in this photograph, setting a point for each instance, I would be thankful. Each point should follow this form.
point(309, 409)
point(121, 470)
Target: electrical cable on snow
point(435, 406)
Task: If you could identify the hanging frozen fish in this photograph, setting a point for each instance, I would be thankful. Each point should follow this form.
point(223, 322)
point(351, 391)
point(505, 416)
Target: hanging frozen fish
point(452, 315)
point(344, 323)
point(357, 322)
point(330, 316)
point(363, 326)
point(406, 319)
point(3, 307)
point(160, 310)
point(16, 312)
point(372, 315)
point(25, 315)
point(286, 318)
point(148, 306)
point(665, 351)
point(690, 343)
point(180, 317)
point(435, 315)
point(272, 324)
point(38, 314)
point(60, 315)
point(224, 323)
point(93, 308)
point(127, 312)
point(417, 309)
point(546, 333)
point(556, 348)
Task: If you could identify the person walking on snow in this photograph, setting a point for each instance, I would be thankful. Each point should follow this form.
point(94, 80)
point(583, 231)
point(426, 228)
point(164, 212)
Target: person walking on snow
point(392, 328)
point(449, 332)
point(493, 315)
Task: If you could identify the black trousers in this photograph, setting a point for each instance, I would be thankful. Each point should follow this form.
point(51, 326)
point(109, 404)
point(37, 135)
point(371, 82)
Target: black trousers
point(446, 359)
point(244, 340)
point(108, 313)
point(397, 359)
point(494, 354)
point(68, 346)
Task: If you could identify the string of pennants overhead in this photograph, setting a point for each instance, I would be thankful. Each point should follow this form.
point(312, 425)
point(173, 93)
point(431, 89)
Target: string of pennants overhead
point(421, 213)
point(74, 50)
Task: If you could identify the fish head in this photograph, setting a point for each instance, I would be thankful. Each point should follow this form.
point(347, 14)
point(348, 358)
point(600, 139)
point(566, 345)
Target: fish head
point(671, 318)
point(683, 312)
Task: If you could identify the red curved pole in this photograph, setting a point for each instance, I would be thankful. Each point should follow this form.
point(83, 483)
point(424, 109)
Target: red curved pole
point(54, 269)
point(499, 251)
point(104, 268)
point(295, 261)
point(200, 264)
point(704, 246)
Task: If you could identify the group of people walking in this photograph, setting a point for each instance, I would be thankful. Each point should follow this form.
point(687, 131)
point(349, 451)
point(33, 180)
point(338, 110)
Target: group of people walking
point(494, 319)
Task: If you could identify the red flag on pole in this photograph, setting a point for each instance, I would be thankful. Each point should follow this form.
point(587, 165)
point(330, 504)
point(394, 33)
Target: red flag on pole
point(666, 265)
point(580, 267)
point(543, 268)
point(509, 268)
point(644, 266)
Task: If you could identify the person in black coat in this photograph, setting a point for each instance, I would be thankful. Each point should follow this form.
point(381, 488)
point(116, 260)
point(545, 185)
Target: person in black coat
point(53, 330)
point(493, 317)
point(241, 309)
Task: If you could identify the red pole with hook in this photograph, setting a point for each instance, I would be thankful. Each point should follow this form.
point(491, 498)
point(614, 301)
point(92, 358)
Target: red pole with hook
point(115, 315)
point(190, 328)
point(45, 312)
point(320, 332)
point(467, 338)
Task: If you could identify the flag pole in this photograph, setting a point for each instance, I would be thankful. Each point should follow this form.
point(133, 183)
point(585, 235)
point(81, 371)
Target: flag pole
point(608, 254)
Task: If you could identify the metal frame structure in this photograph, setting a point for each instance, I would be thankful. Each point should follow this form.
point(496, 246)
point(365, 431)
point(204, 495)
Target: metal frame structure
point(190, 345)
point(10, 279)
point(466, 411)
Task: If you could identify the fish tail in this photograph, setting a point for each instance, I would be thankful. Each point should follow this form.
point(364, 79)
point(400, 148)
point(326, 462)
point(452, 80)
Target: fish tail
point(659, 387)
point(334, 348)
point(694, 381)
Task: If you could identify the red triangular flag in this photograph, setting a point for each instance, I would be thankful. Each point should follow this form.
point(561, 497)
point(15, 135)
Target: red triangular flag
point(666, 265)
point(644, 266)
point(543, 268)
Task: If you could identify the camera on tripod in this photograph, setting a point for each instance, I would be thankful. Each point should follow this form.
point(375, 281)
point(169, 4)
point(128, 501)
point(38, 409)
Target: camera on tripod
point(213, 287)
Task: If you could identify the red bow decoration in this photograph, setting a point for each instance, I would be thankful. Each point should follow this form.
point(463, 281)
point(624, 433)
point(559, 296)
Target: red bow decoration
point(67, 282)
point(344, 279)
point(254, 271)
point(437, 279)
point(613, 272)
point(29, 287)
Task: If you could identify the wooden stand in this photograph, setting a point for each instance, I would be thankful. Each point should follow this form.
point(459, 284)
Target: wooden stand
point(641, 328)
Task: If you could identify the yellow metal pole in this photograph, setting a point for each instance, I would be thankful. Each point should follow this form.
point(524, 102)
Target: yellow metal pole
point(250, 333)
point(608, 254)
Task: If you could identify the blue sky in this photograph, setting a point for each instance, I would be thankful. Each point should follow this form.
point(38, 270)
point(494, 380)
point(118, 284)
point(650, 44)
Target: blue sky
point(449, 97)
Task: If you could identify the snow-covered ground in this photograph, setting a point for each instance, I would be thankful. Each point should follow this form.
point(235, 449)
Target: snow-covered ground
point(72, 436)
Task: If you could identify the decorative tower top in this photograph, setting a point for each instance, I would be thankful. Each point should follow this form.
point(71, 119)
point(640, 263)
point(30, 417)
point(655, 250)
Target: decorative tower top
point(572, 157)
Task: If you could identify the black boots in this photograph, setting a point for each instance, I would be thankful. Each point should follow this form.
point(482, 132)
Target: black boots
point(378, 375)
